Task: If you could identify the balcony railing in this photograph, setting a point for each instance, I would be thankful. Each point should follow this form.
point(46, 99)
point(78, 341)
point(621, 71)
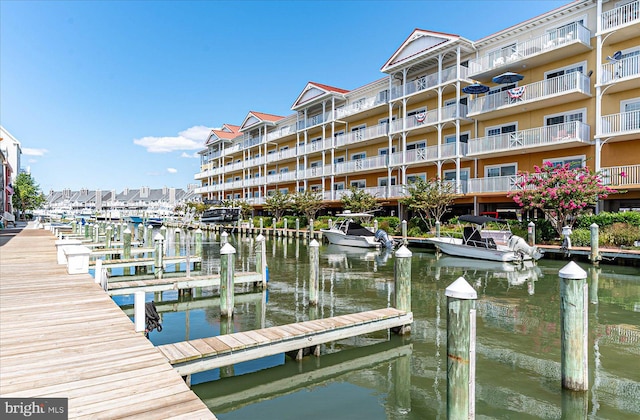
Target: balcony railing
point(368, 133)
point(621, 175)
point(281, 155)
point(427, 154)
point(522, 50)
point(492, 184)
point(532, 92)
point(430, 117)
point(524, 139)
point(375, 162)
point(627, 67)
point(281, 132)
point(281, 177)
point(619, 16)
point(623, 123)
point(317, 171)
point(427, 81)
point(359, 106)
point(315, 146)
point(315, 120)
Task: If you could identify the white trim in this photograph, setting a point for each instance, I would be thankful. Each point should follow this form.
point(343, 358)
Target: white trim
point(487, 168)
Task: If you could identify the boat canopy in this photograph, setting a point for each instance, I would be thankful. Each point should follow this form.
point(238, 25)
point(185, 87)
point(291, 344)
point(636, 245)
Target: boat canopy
point(479, 220)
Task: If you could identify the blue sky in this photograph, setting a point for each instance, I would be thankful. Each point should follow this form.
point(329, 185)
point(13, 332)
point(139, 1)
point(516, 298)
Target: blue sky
point(114, 94)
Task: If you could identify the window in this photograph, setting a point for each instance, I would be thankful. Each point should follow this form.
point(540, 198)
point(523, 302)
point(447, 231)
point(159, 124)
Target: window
point(416, 112)
point(464, 138)
point(500, 170)
point(359, 156)
point(237, 178)
point(385, 151)
point(271, 172)
point(631, 115)
point(284, 190)
point(316, 188)
point(411, 179)
point(358, 132)
point(572, 161)
point(339, 159)
point(496, 131)
point(284, 170)
point(417, 145)
point(361, 183)
point(316, 164)
point(383, 96)
point(338, 186)
point(283, 148)
point(383, 182)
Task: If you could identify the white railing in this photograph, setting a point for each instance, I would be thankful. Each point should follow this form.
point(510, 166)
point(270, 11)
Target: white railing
point(627, 13)
point(427, 154)
point(627, 67)
point(315, 120)
point(281, 132)
point(252, 141)
point(250, 163)
point(559, 133)
point(547, 42)
point(280, 155)
point(531, 92)
point(493, 184)
point(375, 162)
point(621, 175)
point(368, 133)
point(317, 171)
point(358, 106)
point(315, 146)
point(623, 123)
point(430, 117)
point(281, 177)
point(427, 81)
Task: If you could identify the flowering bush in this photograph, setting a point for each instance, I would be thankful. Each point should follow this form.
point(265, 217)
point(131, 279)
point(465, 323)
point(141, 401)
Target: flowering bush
point(561, 192)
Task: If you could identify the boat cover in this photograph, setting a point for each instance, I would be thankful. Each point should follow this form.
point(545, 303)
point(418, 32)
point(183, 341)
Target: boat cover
point(479, 220)
point(357, 229)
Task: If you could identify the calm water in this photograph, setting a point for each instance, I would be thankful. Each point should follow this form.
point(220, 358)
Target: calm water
point(382, 376)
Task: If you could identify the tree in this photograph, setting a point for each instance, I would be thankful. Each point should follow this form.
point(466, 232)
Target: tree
point(429, 200)
point(561, 192)
point(278, 204)
point(27, 194)
point(359, 201)
point(308, 203)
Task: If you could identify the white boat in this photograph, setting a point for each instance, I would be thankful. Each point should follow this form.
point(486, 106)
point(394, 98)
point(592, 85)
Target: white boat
point(348, 232)
point(221, 215)
point(474, 245)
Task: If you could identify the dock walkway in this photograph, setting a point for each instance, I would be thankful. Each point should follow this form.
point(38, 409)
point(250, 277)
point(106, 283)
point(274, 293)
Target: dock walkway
point(62, 336)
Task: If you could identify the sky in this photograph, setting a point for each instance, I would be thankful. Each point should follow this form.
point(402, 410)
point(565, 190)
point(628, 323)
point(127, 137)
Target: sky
point(115, 94)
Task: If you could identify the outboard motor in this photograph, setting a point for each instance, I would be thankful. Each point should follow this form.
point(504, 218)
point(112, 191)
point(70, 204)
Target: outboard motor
point(383, 237)
point(518, 244)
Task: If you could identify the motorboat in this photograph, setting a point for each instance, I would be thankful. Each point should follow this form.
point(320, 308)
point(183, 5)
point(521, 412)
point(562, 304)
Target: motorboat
point(221, 215)
point(348, 231)
point(476, 244)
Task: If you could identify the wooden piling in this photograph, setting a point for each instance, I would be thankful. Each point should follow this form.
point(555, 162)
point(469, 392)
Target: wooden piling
point(595, 239)
point(126, 249)
point(159, 255)
point(108, 237)
point(314, 269)
point(227, 267)
point(574, 327)
point(461, 358)
point(404, 232)
point(224, 238)
point(402, 283)
point(531, 233)
point(138, 311)
point(261, 258)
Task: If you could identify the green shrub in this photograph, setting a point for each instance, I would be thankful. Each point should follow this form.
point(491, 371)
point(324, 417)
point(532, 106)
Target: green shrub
point(622, 234)
point(607, 219)
point(581, 237)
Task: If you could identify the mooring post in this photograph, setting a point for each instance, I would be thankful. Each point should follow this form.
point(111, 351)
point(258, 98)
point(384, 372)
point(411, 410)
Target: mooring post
point(595, 239)
point(574, 327)
point(375, 225)
point(273, 226)
point(261, 258)
point(314, 269)
point(163, 232)
point(149, 240)
point(261, 225)
point(108, 235)
point(126, 249)
point(97, 275)
point(402, 283)
point(310, 229)
point(176, 241)
point(227, 266)
point(224, 238)
point(286, 227)
point(138, 311)
point(140, 235)
point(461, 350)
point(329, 223)
point(404, 232)
point(159, 256)
point(575, 405)
point(531, 233)
point(593, 287)
point(96, 233)
point(437, 228)
point(297, 228)
point(199, 242)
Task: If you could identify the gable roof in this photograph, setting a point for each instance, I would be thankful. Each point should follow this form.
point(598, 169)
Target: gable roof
point(314, 91)
point(422, 45)
point(254, 118)
point(228, 132)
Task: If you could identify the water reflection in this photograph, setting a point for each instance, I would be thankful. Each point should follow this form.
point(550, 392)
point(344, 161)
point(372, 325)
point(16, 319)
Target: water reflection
point(518, 339)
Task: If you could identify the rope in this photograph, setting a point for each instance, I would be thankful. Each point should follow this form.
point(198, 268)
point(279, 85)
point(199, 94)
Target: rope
point(151, 318)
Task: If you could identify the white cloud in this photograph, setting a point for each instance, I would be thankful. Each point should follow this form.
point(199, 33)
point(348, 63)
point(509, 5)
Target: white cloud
point(172, 170)
point(190, 139)
point(34, 152)
point(193, 155)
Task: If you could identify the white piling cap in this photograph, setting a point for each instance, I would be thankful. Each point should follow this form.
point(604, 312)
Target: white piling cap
point(158, 237)
point(260, 237)
point(403, 252)
point(460, 289)
point(572, 271)
point(127, 230)
point(314, 243)
point(224, 233)
point(227, 249)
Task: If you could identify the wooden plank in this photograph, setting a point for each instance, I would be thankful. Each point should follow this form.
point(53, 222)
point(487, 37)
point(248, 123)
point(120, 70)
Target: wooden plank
point(217, 345)
point(232, 342)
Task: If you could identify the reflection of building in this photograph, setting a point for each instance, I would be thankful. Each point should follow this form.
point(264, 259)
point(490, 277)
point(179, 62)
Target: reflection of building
point(572, 106)
point(10, 153)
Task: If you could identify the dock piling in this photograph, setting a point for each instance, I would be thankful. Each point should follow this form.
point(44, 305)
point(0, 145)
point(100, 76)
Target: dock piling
point(227, 269)
point(531, 233)
point(574, 327)
point(595, 239)
point(158, 264)
point(402, 283)
point(138, 311)
point(314, 268)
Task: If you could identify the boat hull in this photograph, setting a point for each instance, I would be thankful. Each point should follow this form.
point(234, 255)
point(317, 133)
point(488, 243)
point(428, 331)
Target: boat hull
point(455, 247)
point(338, 237)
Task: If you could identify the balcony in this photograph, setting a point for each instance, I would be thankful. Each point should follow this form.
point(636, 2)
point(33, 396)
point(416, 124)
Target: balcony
point(558, 90)
point(281, 155)
point(361, 165)
point(621, 75)
point(426, 154)
point(281, 177)
point(493, 184)
point(621, 176)
point(426, 82)
point(315, 146)
point(281, 133)
point(621, 22)
point(427, 121)
point(360, 107)
point(624, 126)
point(566, 41)
point(551, 137)
point(313, 121)
point(317, 171)
point(377, 131)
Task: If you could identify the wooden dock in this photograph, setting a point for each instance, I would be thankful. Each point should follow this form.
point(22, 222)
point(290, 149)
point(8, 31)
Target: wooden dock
point(203, 354)
point(63, 337)
point(144, 262)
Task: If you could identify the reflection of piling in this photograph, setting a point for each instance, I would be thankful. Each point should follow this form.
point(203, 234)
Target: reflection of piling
point(227, 266)
point(199, 242)
point(402, 384)
point(157, 265)
point(461, 344)
point(593, 288)
point(226, 327)
point(574, 405)
point(574, 327)
point(402, 283)
point(314, 268)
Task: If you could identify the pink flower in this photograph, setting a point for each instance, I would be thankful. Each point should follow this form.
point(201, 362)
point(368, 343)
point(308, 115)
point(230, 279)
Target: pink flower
point(623, 174)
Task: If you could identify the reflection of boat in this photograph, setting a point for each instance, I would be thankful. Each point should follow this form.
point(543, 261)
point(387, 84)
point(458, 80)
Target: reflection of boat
point(337, 253)
point(514, 274)
point(474, 245)
point(347, 231)
point(220, 215)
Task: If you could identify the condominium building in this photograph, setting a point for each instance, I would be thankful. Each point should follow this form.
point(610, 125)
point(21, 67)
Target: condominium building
point(573, 97)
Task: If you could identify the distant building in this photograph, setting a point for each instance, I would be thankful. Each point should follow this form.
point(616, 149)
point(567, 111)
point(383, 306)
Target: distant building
point(10, 154)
